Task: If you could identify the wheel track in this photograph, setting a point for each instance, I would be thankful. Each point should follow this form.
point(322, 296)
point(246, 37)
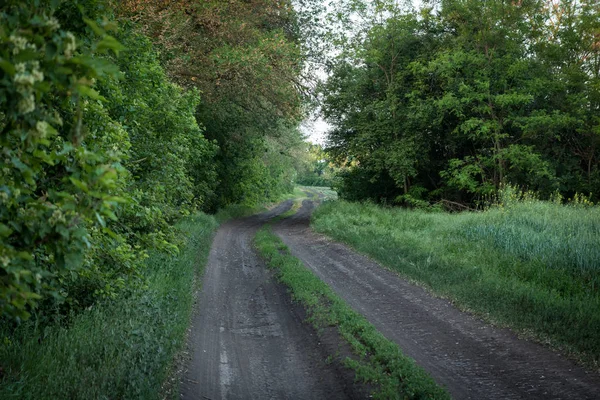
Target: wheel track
point(473, 360)
point(247, 339)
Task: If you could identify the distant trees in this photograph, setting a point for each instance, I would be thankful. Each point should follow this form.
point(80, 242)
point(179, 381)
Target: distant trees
point(458, 99)
point(314, 166)
point(245, 58)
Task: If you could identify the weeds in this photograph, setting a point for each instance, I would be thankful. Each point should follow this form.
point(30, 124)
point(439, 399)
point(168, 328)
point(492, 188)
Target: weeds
point(121, 349)
point(527, 264)
point(379, 361)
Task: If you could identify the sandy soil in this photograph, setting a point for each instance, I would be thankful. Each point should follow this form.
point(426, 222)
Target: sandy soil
point(471, 359)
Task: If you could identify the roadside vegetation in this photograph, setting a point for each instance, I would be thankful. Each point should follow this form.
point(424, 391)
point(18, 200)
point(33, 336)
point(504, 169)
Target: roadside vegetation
point(111, 159)
point(125, 348)
point(378, 361)
point(460, 97)
point(524, 263)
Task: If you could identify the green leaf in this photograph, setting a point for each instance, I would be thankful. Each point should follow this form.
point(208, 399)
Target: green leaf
point(7, 67)
point(110, 43)
point(101, 220)
point(89, 92)
point(5, 231)
point(79, 184)
point(94, 27)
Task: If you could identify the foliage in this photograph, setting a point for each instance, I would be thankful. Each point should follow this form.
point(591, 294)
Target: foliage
point(453, 101)
point(315, 167)
point(525, 263)
point(229, 50)
point(122, 349)
point(100, 154)
point(59, 184)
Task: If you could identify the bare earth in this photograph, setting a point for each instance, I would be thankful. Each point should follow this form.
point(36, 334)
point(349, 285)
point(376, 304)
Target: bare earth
point(248, 341)
point(471, 359)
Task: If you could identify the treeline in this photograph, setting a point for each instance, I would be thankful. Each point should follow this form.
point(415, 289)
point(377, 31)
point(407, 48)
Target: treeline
point(314, 167)
point(463, 96)
point(119, 118)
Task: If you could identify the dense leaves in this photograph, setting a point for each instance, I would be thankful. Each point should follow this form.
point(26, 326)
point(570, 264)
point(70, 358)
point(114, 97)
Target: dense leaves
point(245, 58)
point(456, 100)
point(100, 154)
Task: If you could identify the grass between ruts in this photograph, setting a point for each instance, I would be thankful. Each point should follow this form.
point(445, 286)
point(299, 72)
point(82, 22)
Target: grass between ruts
point(530, 265)
point(239, 211)
point(380, 361)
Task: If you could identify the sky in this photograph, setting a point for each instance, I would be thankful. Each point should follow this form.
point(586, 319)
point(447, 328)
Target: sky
point(315, 129)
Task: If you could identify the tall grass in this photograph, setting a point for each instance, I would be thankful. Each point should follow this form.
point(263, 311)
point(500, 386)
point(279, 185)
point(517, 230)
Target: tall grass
point(528, 264)
point(122, 349)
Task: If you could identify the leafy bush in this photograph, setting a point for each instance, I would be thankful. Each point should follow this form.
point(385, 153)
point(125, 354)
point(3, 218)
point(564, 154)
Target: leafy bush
point(100, 154)
point(56, 187)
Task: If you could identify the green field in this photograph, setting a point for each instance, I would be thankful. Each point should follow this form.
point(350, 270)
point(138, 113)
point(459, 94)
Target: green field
point(527, 264)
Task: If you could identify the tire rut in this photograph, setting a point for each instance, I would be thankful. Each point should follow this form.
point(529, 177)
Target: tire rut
point(472, 359)
point(247, 341)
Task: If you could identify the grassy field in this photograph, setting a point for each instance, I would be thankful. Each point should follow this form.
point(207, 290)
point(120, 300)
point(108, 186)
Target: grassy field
point(379, 361)
point(527, 264)
point(123, 349)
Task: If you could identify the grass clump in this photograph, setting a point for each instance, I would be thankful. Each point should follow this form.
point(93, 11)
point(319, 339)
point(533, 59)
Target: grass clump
point(121, 349)
point(525, 263)
point(380, 361)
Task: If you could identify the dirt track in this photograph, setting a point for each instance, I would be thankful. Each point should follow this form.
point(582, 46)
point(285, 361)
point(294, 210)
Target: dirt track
point(247, 340)
point(470, 358)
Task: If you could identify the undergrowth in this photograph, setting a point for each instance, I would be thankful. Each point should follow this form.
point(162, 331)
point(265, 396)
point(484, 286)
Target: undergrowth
point(527, 264)
point(379, 361)
point(120, 349)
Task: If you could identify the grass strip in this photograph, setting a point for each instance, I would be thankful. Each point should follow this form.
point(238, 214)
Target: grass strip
point(530, 265)
point(120, 349)
point(379, 361)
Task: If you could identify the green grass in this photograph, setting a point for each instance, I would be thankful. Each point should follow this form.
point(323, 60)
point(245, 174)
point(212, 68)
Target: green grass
point(122, 349)
point(379, 361)
point(530, 265)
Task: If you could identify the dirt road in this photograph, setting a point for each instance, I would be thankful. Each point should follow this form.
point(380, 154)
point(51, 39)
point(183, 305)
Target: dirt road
point(470, 358)
point(247, 340)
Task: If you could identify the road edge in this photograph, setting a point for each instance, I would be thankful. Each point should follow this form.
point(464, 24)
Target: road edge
point(378, 361)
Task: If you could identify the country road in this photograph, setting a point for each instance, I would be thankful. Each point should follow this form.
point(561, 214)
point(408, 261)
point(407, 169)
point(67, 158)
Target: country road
point(248, 340)
point(472, 359)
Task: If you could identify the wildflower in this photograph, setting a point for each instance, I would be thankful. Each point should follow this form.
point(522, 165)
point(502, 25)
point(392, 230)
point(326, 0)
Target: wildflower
point(52, 23)
point(42, 128)
point(26, 104)
point(20, 68)
point(57, 216)
point(70, 45)
point(20, 44)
